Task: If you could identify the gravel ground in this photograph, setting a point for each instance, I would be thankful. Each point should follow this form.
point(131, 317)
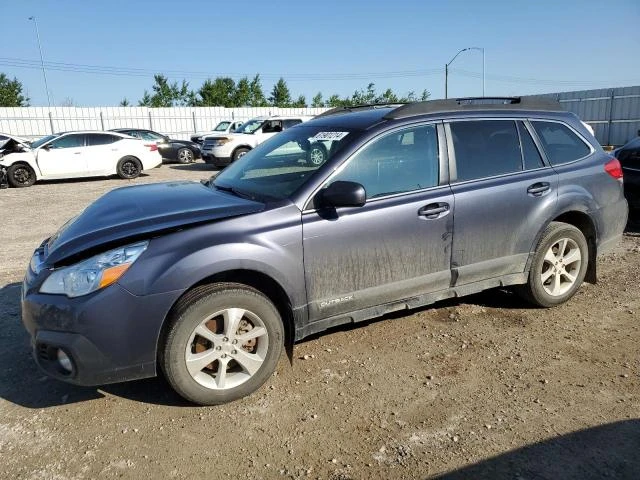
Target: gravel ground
point(483, 387)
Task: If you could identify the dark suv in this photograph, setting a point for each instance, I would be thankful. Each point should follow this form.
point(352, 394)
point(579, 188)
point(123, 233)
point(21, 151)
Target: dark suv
point(412, 204)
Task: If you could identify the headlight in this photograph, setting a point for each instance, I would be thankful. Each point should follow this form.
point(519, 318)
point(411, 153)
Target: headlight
point(221, 141)
point(93, 274)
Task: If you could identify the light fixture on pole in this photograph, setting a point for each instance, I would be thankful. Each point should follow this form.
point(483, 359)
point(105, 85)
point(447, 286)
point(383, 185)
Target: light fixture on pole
point(446, 69)
point(44, 73)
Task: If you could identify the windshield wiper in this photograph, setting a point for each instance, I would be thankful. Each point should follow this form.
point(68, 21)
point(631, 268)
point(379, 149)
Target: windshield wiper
point(235, 191)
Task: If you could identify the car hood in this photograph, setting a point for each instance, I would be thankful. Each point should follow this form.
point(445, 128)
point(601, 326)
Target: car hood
point(139, 211)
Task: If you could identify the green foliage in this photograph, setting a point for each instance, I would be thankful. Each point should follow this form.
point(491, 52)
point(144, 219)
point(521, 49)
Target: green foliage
point(167, 94)
point(11, 93)
point(225, 92)
point(317, 100)
point(280, 95)
point(125, 103)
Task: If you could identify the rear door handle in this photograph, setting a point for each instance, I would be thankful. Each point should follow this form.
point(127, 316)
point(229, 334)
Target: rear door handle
point(434, 210)
point(539, 189)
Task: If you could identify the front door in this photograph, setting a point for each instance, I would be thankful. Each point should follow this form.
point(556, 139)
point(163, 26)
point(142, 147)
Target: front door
point(63, 157)
point(394, 247)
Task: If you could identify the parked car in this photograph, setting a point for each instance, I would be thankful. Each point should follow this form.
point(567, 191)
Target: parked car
point(220, 150)
point(79, 154)
point(171, 150)
point(629, 157)
point(206, 282)
point(225, 126)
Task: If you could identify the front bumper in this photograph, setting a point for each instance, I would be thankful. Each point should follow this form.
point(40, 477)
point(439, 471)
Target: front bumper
point(110, 335)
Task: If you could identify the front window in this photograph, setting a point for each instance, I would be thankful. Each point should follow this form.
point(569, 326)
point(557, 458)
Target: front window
point(68, 141)
point(251, 126)
point(43, 140)
point(280, 166)
point(222, 127)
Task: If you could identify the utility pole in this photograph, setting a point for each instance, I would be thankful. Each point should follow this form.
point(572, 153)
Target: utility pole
point(446, 70)
point(44, 73)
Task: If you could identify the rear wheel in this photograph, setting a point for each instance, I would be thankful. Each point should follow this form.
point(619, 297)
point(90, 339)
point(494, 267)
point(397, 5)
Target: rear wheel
point(185, 155)
point(559, 266)
point(223, 342)
point(21, 175)
point(129, 167)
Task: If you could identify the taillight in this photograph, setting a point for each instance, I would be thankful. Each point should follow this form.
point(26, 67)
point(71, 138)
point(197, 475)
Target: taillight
point(152, 147)
point(613, 168)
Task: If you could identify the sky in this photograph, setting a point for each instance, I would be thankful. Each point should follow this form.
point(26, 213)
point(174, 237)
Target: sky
point(99, 52)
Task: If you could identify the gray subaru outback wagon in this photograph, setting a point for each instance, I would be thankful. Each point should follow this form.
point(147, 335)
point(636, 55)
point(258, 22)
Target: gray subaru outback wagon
point(356, 213)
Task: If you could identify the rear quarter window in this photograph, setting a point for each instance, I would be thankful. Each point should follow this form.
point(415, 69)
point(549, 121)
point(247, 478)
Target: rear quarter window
point(561, 144)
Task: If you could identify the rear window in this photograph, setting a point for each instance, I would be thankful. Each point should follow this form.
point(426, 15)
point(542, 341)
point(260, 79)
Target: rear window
point(95, 139)
point(560, 143)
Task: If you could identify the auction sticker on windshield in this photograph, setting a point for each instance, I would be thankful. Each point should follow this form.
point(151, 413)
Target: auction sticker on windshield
point(330, 135)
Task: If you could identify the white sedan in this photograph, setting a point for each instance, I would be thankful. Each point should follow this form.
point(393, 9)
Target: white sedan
point(79, 154)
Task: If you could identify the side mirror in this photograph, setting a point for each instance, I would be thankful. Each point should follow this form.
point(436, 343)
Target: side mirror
point(343, 194)
point(47, 146)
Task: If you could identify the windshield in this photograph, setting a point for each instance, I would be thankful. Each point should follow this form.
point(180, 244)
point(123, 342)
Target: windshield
point(251, 126)
point(43, 140)
point(222, 126)
point(277, 168)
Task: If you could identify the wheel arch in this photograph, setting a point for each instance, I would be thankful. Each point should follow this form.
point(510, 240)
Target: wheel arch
point(583, 222)
point(33, 165)
point(248, 147)
point(260, 281)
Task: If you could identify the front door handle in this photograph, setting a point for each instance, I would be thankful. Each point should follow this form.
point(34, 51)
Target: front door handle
point(434, 210)
point(539, 189)
point(77, 153)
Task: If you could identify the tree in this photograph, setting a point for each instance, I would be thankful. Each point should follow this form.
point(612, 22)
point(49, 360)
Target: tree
point(11, 93)
point(219, 92)
point(317, 100)
point(280, 95)
point(167, 94)
point(242, 95)
point(125, 103)
point(256, 96)
point(68, 102)
point(335, 101)
point(300, 102)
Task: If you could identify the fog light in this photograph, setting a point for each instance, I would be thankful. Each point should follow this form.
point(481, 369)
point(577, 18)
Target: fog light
point(64, 361)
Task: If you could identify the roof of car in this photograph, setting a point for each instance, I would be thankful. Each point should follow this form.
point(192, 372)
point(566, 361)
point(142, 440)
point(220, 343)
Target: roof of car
point(86, 131)
point(364, 116)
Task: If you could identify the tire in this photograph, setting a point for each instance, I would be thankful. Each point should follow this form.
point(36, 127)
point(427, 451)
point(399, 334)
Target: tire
point(184, 155)
point(199, 332)
point(129, 167)
point(20, 175)
point(561, 255)
point(239, 153)
point(316, 155)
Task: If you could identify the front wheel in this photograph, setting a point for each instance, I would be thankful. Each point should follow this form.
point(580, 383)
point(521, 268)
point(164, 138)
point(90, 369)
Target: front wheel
point(239, 153)
point(316, 155)
point(559, 266)
point(21, 175)
point(223, 342)
point(129, 167)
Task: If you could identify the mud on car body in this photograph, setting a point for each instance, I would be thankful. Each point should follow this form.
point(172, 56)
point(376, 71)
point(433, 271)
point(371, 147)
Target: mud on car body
point(413, 203)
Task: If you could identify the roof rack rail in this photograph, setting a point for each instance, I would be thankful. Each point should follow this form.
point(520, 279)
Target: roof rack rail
point(475, 103)
point(351, 108)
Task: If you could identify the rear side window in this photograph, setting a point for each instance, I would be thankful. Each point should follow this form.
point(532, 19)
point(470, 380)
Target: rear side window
point(94, 139)
point(486, 148)
point(530, 154)
point(560, 143)
point(290, 123)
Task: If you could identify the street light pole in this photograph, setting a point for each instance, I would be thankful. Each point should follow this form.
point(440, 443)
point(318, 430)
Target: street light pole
point(446, 69)
point(44, 73)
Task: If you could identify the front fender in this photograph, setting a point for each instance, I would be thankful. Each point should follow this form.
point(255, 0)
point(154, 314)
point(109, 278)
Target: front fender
point(22, 157)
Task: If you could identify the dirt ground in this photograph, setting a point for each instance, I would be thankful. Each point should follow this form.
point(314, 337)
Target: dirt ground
point(483, 387)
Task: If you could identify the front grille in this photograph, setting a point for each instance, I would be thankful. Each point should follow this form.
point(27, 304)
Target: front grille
point(43, 352)
point(208, 144)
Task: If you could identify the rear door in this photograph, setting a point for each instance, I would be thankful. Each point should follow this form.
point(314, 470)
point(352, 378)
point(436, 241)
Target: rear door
point(102, 153)
point(394, 247)
point(502, 190)
point(63, 157)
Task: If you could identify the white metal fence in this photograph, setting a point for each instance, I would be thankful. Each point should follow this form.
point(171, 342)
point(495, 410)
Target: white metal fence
point(177, 122)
